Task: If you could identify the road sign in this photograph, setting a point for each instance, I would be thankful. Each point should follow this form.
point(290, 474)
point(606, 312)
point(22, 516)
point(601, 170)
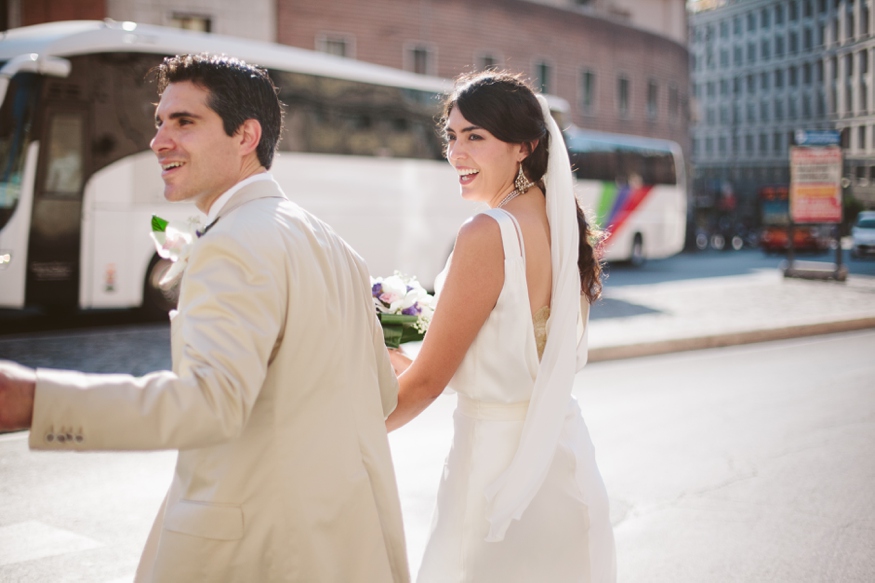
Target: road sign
point(815, 184)
point(817, 138)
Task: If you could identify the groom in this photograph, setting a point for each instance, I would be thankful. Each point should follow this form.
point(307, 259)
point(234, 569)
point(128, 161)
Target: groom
point(280, 380)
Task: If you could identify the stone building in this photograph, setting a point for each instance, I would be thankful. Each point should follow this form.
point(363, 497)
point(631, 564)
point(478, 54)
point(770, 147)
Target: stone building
point(763, 69)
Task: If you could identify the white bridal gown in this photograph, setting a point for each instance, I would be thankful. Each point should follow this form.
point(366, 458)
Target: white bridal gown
point(565, 533)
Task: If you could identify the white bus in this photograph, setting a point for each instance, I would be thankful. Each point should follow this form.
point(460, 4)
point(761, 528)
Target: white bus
point(635, 188)
point(78, 182)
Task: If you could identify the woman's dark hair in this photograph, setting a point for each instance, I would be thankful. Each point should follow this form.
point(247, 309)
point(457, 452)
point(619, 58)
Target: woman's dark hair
point(237, 92)
point(505, 105)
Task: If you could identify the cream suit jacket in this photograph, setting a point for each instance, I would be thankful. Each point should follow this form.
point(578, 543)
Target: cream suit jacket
point(276, 403)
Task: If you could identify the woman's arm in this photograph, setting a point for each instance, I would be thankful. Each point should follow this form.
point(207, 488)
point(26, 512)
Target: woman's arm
point(471, 290)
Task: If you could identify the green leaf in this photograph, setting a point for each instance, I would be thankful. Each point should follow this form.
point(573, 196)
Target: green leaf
point(159, 225)
point(398, 329)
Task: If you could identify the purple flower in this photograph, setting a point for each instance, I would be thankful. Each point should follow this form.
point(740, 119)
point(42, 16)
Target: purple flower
point(377, 289)
point(413, 310)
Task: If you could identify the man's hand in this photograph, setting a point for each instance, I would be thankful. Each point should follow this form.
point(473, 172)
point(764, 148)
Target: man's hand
point(17, 387)
point(399, 361)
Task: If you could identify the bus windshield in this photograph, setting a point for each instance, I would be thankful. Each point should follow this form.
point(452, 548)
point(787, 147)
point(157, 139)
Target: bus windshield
point(16, 123)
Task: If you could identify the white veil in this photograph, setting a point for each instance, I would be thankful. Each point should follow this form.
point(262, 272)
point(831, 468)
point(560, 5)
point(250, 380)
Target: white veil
point(564, 353)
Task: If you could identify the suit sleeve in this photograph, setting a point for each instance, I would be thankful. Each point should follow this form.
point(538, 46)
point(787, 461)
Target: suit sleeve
point(232, 304)
point(385, 373)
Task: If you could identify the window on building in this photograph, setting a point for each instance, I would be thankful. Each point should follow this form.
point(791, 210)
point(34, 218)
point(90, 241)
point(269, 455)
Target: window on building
point(764, 144)
point(736, 26)
point(779, 110)
point(791, 76)
point(737, 56)
point(793, 43)
point(765, 50)
point(709, 88)
point(724, 29)
point(421, 59)
point(721, 145)
point(806, 105)
point(792, 110)
point(861, 139)
point(807, 39)
point(709, 116)
point(864, 18)
point(543, 76)
point(196, 22)
point(724, 115)
point(751, 84)
point(764, 112)
point(751, 113)
point(806, 74)
point(709, 145)
point(792, 11)
point(779, 14)
point(587, 92)
point(673, 102)
point(335, 44)
point(779, 47)
point(779, 78)
point(751, 53)
point(751, 21)
point(821, 6)
point(764, 81)
point(849, 29)
point(808, 8)
point(724, 58)
point(777, 146)
point(724, 87)
point(764, 18)
point(486, 60)
point(623, 95)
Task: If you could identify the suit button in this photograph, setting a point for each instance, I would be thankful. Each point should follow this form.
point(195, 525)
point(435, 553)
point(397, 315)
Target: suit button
point(69, 437)
point(61, 438)
point(79, 439)
point(50, 437)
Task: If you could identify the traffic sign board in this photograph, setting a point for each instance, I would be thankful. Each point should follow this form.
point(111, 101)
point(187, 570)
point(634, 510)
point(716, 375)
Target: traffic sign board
point(817, 138)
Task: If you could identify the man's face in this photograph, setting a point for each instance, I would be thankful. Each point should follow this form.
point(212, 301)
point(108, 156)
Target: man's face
point(199, 161)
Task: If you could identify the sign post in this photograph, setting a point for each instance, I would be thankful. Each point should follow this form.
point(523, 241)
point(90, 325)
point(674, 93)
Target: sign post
point(816, 196)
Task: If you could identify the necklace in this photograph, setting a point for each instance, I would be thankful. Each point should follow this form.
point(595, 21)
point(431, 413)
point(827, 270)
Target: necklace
point(513, 194)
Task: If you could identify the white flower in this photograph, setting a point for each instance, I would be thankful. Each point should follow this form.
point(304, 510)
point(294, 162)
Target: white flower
point(175, 243)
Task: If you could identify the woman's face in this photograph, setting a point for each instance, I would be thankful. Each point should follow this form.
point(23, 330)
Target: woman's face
point(486, 165)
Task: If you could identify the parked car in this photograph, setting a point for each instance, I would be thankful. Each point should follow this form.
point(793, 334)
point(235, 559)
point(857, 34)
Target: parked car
point(863, 234)
point(774, 239)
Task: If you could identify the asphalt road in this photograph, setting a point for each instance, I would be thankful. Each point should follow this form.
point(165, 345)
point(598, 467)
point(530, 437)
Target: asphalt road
point(752, 463)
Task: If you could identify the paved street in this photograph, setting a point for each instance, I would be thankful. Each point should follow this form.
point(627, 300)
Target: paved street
point(751, 463)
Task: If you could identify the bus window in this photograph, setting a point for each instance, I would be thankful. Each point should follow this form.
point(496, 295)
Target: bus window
point(64, 164)
point(16, 120)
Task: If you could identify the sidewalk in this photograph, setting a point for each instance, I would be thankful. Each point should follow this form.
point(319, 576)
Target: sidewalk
point(640, 320)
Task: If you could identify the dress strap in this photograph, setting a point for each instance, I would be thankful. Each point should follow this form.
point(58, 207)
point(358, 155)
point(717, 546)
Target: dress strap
point(510, 233)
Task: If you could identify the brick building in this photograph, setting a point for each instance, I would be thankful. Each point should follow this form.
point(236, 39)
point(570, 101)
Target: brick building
point(621, 65)
point(615, 76)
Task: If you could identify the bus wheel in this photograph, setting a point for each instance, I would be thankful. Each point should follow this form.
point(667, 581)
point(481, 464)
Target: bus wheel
point(158, 300)
point(636, 256)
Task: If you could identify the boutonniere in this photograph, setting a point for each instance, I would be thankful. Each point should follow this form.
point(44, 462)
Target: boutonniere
point(174, 240)
point(403, 307)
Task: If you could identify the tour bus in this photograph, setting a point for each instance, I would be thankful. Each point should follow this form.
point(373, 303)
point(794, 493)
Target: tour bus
point(634, 189)
point(79, 184)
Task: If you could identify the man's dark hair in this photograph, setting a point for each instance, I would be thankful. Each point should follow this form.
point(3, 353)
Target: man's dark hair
point(237, 92)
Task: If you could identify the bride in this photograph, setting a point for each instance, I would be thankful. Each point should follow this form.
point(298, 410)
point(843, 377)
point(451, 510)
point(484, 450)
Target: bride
point(521, 498)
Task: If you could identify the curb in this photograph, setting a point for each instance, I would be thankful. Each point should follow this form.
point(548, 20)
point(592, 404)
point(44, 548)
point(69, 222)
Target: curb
point(606, 353)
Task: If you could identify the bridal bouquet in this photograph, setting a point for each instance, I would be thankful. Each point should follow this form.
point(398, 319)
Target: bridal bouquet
point(403, 307)
point(174, 241)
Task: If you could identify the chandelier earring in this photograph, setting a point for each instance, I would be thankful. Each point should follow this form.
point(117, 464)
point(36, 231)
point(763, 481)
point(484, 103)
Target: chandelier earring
point(522, 183)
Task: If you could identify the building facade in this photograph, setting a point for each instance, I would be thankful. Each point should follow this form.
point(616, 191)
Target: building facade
point(615, 76)
point(763, 69)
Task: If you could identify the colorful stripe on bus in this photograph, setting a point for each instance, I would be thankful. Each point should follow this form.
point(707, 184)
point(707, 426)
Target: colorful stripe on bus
point(616, 205)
